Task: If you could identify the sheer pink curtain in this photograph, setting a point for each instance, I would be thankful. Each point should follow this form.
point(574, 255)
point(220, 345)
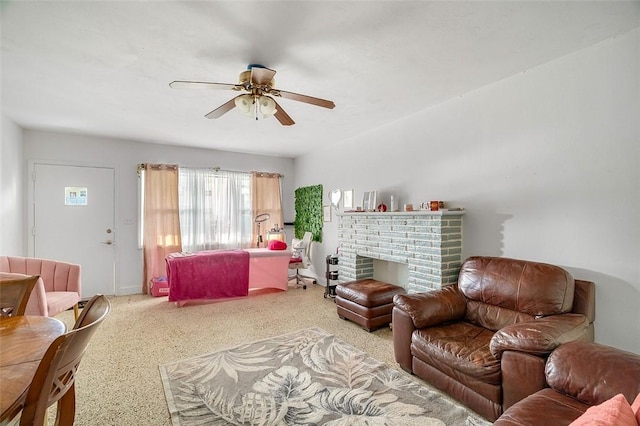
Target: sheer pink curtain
point(266, 198)
point(161, 219)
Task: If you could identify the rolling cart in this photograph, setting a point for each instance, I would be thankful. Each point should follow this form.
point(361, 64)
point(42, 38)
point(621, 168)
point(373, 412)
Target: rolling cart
point(331, 275)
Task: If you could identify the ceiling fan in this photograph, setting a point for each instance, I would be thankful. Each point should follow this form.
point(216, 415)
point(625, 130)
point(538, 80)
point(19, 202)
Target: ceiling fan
point(257, 81)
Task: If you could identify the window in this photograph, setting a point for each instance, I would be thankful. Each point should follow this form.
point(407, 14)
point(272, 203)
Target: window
point(215, 209)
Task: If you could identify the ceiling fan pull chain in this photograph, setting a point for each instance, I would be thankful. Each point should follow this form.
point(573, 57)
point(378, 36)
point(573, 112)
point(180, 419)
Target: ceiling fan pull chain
point(255, 106)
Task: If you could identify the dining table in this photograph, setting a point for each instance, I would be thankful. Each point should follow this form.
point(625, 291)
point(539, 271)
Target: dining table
point(23, 342)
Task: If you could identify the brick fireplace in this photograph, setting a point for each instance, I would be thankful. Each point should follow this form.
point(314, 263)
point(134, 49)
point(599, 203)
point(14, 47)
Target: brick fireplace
point(429, 243)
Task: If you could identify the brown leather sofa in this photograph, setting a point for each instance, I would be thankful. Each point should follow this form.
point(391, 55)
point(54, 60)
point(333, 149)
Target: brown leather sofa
point(579, 375)
point(485, 340)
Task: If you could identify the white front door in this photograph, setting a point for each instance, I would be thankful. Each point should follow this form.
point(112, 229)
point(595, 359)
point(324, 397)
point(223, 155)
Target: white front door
point(73, 221)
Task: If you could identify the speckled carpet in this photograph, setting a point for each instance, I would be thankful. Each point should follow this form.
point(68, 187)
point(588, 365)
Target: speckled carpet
point(119, 383)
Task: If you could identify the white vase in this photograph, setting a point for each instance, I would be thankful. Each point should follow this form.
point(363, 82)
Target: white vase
point(394, 204)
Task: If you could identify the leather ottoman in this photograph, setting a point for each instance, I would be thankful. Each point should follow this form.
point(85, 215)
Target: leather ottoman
point(366, 302)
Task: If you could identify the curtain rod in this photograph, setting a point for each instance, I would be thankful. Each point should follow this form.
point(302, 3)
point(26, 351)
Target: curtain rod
point(141, 166)
point(268, 174)
point(219, 169)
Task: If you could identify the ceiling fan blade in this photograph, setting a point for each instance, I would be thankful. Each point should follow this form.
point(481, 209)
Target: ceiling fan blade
point(304, 98)
point(282, 116)
point(262, 76)
point(222, 109)
point(203, 85)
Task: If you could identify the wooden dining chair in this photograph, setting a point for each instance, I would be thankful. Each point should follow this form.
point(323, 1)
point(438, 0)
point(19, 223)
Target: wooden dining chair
point(14, 294)
point(93, 309)
point(54, 380)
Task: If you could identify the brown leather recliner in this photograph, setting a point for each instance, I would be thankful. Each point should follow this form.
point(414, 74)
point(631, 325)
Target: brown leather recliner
point(485, 340)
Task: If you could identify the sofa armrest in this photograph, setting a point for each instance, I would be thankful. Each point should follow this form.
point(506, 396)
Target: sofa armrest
point(37, 304)
point(541, 335)
point(403, 329)
point(522, 375)
point(570, 370)
point(432, 308)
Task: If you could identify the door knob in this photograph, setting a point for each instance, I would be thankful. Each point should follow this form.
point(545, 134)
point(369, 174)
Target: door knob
point(108, 242)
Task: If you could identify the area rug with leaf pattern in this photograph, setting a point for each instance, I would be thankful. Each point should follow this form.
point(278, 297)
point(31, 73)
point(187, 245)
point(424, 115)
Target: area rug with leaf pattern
point(308, 377)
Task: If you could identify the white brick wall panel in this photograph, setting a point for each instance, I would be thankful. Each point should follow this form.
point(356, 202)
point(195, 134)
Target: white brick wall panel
point(429, 244)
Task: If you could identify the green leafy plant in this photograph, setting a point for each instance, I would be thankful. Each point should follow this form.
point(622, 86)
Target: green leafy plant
point(308, 204)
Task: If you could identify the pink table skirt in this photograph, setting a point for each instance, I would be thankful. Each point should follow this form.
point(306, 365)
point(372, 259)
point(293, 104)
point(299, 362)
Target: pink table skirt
point(214, 274)
point(268, 268)
point(221, 274)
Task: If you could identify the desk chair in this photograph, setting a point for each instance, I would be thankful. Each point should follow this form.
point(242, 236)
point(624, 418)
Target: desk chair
point(54, 380)
point(15, 290)
point(301, 258)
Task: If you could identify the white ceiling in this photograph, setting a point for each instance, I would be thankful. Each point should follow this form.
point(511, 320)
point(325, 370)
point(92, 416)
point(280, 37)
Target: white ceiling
point(104, 67)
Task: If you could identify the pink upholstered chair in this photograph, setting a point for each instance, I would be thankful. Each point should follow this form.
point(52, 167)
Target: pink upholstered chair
point(58, 289)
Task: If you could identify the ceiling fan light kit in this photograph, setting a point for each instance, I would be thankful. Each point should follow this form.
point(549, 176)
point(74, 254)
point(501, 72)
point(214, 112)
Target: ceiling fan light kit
point(267, 106)
point(256, 106)
point(258, 102)
point(244, 103)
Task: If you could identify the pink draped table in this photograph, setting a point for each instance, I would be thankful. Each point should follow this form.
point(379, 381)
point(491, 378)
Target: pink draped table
point(222, 274)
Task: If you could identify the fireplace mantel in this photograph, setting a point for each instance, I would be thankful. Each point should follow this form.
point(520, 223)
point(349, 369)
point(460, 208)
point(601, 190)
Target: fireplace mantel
point(411, 213)
point(429, 243)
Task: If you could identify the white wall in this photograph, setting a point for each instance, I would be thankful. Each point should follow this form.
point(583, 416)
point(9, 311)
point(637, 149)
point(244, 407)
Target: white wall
point(12, 199)
point(124, 156)
point(546, 164)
